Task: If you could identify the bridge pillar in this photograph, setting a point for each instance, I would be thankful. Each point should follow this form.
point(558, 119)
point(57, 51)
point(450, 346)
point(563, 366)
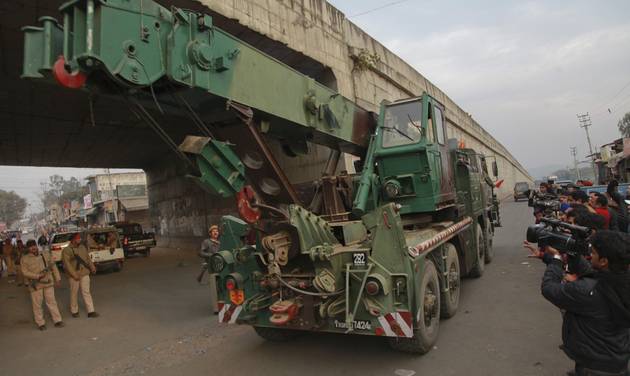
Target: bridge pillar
point(180, 210)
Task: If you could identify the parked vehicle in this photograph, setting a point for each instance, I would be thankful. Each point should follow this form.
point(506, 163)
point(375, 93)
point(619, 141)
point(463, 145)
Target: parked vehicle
point(134, 239)
point(520, 190)
point(105, 249)
point(58, 242)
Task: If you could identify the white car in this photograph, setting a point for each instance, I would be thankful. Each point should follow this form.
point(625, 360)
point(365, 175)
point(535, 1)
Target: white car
point(58, 242)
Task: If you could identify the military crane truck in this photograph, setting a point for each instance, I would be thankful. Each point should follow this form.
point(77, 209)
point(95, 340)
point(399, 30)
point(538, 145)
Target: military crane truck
point(380, 252)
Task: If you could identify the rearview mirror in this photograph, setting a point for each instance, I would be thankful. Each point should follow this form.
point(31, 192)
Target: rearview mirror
point(495, 169)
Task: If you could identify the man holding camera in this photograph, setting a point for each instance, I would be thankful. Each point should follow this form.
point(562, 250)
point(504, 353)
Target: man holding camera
point(42, 276)
point(596, 305)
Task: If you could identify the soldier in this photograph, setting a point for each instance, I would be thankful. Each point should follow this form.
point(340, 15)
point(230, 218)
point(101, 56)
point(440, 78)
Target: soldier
point(209, 247)
point(42, 276)
point(18, 252)
point(78, 265)
point(7, 255)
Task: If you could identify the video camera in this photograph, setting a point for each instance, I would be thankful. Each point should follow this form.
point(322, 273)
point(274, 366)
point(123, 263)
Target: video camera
point(547, 204)
point(565, 237)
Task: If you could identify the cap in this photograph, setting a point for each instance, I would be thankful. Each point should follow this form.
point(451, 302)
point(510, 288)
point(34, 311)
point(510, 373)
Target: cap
point(76, 236)
point(213, 227)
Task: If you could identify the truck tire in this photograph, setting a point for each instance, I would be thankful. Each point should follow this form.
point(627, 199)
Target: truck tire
point(425, 333)
point(480, 263)
point(450, 299)
point(276, 334)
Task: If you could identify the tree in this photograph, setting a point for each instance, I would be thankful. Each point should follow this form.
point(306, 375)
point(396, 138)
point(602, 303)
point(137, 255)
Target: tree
point(624, 125)
point(12, 206)
point(61, 190)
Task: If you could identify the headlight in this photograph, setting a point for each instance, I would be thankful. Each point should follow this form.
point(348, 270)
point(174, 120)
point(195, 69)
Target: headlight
point(217, 263)
point(392, 188)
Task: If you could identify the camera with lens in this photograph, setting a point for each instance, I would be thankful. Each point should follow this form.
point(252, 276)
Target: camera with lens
point(565, 237)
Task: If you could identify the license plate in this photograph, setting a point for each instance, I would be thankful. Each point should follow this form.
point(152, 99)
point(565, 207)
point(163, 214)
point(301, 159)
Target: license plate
point(359, 258)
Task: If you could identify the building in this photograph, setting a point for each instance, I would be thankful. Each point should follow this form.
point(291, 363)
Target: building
point(116, 197)
point(613, 161)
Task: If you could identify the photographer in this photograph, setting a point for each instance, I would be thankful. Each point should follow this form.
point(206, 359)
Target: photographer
point(595, 330)
point(617, 205)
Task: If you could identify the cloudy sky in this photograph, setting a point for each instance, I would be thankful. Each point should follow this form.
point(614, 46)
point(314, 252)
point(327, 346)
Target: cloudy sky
point(522, 69)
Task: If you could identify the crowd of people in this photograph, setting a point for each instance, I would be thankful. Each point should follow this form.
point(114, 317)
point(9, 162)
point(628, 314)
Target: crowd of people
point(30, 266)
point(592, 290)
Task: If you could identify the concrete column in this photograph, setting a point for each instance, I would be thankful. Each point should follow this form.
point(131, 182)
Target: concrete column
point(180, 211)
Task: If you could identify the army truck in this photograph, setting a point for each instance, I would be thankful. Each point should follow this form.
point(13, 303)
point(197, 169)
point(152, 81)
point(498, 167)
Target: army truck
point(421, 222)
point(378, 252)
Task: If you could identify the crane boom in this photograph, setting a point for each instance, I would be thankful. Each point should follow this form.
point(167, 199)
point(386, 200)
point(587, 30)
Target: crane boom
point(143, 45)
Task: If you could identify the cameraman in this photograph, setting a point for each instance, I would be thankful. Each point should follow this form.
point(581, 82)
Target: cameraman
point(596, 323)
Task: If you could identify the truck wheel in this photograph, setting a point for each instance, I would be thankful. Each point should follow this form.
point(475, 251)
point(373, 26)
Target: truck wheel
point(480, 263)
point(489, 249)
point(426, 332)
point(276, 334)
point(450, 299)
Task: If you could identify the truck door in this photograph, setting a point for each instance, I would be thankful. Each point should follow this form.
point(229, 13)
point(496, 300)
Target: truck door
point(443, 182)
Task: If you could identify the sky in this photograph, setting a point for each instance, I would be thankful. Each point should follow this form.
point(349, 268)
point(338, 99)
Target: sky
point(523, 70)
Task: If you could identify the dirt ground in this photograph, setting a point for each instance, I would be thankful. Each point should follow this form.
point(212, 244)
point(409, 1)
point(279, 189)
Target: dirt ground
point(155, 320)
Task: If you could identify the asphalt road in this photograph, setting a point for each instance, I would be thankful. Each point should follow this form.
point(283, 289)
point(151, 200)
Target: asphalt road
point(155, 321)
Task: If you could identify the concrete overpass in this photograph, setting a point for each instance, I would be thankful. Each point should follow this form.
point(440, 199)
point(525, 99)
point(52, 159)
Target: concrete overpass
point(47, 125)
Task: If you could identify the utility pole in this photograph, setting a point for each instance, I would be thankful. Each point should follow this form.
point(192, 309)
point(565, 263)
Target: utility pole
point(585, 122)
point(114, 197)
point(575, 162)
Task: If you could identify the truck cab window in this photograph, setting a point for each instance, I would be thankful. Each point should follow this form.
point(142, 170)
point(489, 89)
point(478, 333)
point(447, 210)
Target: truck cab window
point(402, 124)
point(430, 131)
point(439, 125)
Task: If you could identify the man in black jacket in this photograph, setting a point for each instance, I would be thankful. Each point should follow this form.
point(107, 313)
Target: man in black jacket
point(596, 324)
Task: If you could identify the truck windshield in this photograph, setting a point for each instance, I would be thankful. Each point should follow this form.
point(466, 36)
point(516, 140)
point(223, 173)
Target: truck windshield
point(401, 124)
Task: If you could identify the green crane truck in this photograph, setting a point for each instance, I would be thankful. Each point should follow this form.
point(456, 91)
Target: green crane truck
point(380, 252)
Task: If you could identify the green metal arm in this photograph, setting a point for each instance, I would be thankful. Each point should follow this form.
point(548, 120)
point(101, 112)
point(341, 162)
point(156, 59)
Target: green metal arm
point(140, 44)
point(365, 184)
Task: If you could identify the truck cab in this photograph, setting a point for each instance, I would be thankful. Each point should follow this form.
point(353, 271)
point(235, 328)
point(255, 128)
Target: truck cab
point(412, 156)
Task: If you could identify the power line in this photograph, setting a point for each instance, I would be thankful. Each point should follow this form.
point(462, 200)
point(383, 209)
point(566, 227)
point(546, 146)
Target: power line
point(610, 104)
point(379, 8)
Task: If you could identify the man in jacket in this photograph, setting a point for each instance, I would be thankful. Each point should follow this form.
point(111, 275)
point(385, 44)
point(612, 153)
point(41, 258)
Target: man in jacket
point(595, 329)
point(42, 277)
point(78, 266)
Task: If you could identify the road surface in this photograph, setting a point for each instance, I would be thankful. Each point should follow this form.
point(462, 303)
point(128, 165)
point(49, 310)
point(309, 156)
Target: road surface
point(155, 321)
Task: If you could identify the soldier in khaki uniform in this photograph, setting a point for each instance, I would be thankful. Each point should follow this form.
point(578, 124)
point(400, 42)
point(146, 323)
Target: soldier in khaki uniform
point(78, 266)
point(17, 257)
point(209, 247)
point(7, 255)
point(42, 276)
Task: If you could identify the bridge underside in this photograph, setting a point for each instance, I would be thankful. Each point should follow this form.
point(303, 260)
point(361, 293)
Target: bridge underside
point(48, 125)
